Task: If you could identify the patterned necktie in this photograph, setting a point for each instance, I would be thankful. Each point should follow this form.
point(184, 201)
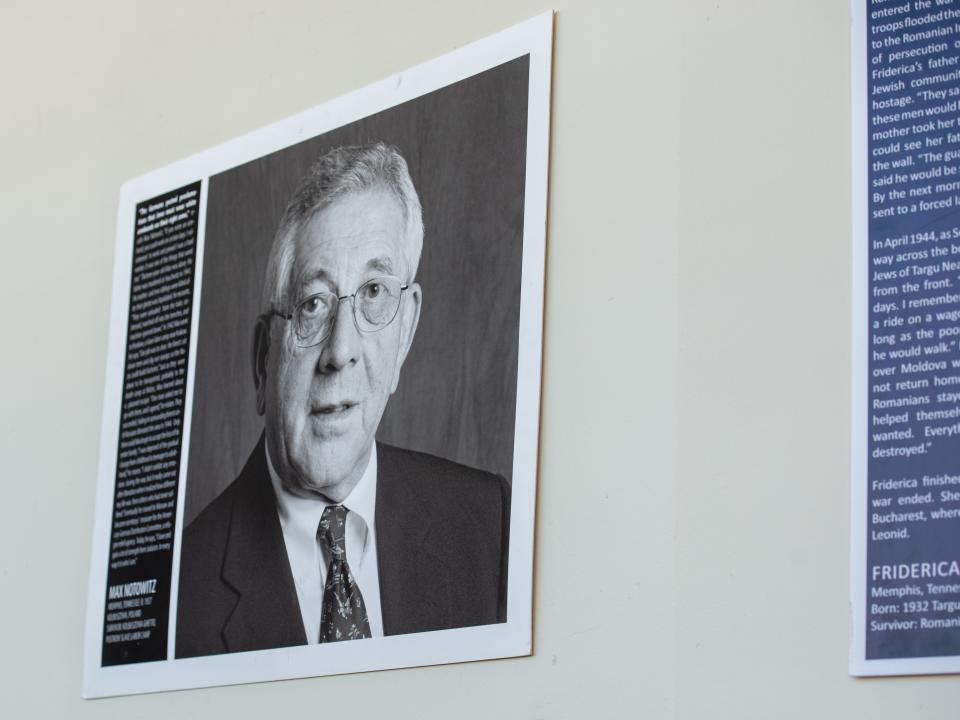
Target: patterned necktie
point(343, 615)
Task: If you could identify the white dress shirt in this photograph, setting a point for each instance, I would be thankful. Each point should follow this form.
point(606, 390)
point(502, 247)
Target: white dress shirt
point(299, 520)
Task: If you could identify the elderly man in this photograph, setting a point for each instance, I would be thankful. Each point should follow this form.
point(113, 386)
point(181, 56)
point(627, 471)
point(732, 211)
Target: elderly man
point(326, 534)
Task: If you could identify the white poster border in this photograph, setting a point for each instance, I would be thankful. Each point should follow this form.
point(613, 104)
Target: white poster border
point(533, 37)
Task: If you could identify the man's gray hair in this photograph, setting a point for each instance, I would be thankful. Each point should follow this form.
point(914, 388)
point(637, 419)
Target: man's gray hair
point(338, 172)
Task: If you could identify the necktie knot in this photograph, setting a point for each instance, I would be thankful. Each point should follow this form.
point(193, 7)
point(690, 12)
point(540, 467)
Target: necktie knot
point(332, 531)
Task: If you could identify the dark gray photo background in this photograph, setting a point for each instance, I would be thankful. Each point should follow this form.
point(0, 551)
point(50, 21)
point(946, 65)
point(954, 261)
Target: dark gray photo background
point(465, 145)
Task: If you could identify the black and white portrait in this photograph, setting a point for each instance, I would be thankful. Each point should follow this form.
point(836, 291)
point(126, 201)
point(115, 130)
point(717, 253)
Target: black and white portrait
point(354, 401)
point(322, 409)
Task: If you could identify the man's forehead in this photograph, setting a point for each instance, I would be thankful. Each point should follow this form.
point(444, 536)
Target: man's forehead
point(310, 272)
point(360, 233)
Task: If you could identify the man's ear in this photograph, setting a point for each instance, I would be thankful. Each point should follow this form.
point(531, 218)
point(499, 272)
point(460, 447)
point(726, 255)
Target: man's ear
point(261, 346)
point(409, 319)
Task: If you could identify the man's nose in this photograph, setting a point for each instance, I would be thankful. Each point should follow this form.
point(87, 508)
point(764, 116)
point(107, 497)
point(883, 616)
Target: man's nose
point(341, 349)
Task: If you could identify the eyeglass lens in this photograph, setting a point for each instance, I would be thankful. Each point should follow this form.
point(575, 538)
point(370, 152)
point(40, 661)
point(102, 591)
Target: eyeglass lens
point(375, 305)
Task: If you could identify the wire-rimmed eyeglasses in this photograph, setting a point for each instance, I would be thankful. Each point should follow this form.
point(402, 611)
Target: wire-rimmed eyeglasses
point(375, 305)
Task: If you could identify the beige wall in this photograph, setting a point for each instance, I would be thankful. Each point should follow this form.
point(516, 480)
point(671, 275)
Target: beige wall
point(696, 369)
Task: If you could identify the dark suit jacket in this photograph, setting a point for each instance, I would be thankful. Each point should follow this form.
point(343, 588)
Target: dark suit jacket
point(442, 537)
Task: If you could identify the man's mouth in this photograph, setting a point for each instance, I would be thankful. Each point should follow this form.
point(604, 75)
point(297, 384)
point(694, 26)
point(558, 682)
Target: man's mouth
point(333, 409)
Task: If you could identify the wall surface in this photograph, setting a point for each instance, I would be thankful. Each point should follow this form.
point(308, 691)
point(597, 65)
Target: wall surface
point(696, 360)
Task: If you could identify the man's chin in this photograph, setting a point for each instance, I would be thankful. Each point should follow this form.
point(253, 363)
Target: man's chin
point(335, 469)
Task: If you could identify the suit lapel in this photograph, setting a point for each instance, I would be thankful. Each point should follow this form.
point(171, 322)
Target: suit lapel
point(413, 597)
point(256, 567)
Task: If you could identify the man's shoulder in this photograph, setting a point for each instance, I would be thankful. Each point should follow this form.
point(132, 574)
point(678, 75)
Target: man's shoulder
point(231, 546)
point(423, 468)
point(207, 533)
point(413, 483)
point(431, 467)
point(213, 522)
point(443, 541)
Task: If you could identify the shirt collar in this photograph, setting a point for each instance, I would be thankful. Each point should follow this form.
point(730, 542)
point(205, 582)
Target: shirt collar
point(301, 515)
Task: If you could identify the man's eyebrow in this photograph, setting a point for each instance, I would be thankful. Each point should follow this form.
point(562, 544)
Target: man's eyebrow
point(317, 275)
point(381, 264)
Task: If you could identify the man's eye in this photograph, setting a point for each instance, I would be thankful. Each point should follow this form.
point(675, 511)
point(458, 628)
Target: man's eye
point(312, 306)
point(372, 290)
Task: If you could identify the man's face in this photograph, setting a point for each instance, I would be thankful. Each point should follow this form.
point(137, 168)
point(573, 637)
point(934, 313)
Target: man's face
point(323, 403)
